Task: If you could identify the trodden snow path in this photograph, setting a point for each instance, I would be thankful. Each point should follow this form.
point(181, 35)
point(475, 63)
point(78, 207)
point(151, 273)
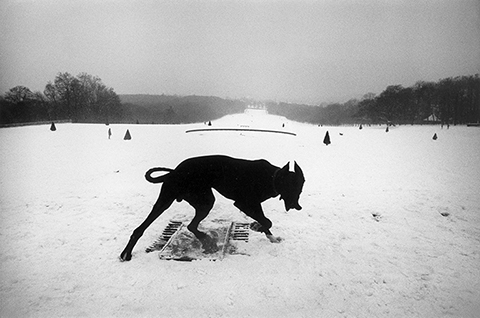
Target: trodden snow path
point(390, 225)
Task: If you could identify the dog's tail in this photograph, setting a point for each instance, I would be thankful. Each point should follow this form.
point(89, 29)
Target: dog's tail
point(159, 179)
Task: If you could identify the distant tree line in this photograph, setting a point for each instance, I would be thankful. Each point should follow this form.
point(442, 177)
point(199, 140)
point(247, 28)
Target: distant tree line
point(168, 109)
point(85, 99)
point(81, 99)
point(450, 100)
point(326, 114)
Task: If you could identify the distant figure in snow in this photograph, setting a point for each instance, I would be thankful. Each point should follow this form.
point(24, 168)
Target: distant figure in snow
point(209, 123)
point(52, 127)
point(435, 136)
point(109, 132)
point(386, 130)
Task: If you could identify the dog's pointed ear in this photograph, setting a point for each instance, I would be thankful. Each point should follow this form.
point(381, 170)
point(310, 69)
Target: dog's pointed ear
point(290, 166)
point(297, 167)
point(285, 168)
point(298, 170)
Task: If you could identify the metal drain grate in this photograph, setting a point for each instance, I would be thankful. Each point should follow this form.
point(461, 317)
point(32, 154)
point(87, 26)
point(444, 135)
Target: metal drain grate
point(177, 243)
point(167, 234)
point(240, 232)
point(171, 228)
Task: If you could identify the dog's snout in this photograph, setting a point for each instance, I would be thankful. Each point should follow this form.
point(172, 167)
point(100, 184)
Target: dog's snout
point(294, 205)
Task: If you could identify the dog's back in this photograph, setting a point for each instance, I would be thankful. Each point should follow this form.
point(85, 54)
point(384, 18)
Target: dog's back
point(233, 178)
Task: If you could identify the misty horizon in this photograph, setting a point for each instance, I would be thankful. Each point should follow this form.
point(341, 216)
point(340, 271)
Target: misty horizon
point(303, 52)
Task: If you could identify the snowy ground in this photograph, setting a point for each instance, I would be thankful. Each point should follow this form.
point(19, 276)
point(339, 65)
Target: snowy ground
point(390, 225)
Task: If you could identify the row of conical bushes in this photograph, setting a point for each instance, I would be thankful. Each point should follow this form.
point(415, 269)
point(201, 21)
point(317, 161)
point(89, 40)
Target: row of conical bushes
point(126, 137)
point(326, 139)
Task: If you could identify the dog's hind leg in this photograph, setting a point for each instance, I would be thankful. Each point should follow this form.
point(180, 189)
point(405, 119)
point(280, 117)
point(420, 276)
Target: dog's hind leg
point(202, 203)
point(164, 201)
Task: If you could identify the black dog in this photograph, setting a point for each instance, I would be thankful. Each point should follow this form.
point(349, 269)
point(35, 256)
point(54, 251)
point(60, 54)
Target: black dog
point(247, 183)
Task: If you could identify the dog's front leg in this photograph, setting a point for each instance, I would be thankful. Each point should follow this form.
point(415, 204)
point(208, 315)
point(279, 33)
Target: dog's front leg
point(256, 226)
point(274, 239)
point(262, 224)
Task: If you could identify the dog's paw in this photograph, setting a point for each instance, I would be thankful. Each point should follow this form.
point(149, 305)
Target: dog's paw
point(274, 239)
point(125, 257)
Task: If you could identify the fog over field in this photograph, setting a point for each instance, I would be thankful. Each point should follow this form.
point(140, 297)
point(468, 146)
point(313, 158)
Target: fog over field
point(293, 51)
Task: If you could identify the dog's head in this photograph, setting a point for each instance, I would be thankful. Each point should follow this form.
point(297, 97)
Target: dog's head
point(289, 185)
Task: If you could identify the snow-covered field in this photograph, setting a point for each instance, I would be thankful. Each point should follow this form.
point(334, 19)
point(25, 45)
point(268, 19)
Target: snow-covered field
point(390, 225)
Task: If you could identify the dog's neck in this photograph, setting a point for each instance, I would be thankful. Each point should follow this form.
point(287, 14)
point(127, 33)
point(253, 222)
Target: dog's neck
point(274, 181)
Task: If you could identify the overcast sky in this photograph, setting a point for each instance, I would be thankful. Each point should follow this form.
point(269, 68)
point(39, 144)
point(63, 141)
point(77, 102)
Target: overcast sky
point(301, 51)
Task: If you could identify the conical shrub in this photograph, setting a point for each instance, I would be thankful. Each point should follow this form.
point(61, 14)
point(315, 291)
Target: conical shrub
point(127, 136)
point(326, 140)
